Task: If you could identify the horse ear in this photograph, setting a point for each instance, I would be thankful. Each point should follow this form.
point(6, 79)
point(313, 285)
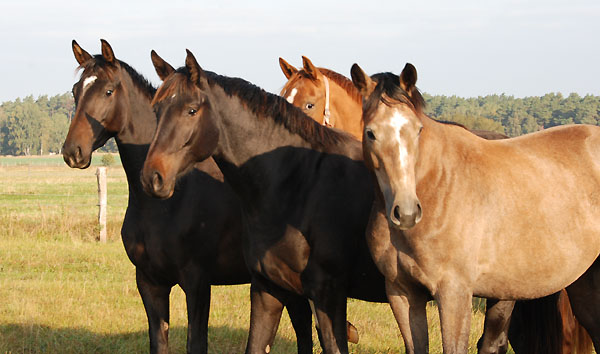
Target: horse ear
point(287, 68)
point(107, 52)
point(80, 55)
point(163, 69)
point(362, 81)
point(408, 78)
point(197, 75)
point(310, 68)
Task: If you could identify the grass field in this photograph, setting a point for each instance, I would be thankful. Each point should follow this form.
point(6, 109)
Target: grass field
point(63, 292)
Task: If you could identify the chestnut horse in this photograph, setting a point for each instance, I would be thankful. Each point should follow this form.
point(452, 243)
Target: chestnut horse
point(456, 215)
point(321, 93)
point(291, 175)
point(540, 321)
point(192, 239)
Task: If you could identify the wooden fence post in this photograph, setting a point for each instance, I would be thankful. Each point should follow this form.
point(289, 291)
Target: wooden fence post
point(101, 176)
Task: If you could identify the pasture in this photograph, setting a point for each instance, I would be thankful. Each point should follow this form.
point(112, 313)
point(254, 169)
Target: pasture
point(63, 292)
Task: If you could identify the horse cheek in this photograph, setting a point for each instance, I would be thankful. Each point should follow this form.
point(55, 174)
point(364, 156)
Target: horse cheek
point(374, 161)
point(208, 139)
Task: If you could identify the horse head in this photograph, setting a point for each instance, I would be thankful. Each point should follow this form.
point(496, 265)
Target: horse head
point(392, 108)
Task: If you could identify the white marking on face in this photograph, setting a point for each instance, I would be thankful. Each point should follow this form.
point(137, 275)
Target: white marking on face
point(174, 95)
point(290, 98)
point(396, 123)
point(89, 80)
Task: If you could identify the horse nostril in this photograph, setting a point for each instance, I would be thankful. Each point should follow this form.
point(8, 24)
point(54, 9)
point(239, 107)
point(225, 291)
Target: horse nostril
point(419, 212)
point(78, 154)
point(157, 181)
point(397, 212)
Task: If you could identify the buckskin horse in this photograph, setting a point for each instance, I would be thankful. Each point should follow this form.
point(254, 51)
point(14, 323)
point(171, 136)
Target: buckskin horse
point(456, 215)
point(192, 239)
point(540, 326)
point(304, 189)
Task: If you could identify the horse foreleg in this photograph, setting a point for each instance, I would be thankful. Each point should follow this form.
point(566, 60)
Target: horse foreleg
point(494, 339)
point(156, 302)
point(265, 312)
point(330, 311)
point(409, 307)
point(301, 317)
point(197, 296)
point(455, 306)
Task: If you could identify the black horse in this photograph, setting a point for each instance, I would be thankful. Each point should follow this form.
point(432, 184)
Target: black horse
point(192, 239)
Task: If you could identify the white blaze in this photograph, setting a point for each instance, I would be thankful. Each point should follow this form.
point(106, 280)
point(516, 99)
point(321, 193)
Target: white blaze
point(397, 122)
point(89, 80)
point(290, 98)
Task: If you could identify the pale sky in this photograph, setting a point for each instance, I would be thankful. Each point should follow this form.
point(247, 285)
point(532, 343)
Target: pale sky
point(461, 47)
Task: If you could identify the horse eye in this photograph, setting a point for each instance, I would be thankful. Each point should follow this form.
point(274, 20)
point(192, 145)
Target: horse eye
point(310, 106)
point(420, 130)
point(109, 92)
point(192, 112)
point(370, 135)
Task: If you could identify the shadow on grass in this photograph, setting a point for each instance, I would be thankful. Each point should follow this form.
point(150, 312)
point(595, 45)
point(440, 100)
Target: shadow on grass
point(36, 338)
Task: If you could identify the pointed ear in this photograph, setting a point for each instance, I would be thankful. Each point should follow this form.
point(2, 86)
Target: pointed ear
point(408, 78)
point(288, 69)
point(197, 75)
point(107, 52)
point(310, 68)
point(163, 69)
point(80, 55)
point(362, 81)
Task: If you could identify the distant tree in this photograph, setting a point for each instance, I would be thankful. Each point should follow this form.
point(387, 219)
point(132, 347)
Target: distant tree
point(107, 160)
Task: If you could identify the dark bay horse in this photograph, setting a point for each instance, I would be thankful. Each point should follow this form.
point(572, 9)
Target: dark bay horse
point(538, 323)
point(194, 238)
point(456, 215)
point(305, 192)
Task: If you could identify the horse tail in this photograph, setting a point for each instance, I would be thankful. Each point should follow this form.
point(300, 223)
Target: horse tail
point(576, 339)
point(536, 326)
point(583, 342)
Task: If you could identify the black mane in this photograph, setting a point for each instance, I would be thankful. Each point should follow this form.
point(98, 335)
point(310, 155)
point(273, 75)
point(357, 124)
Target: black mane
point(389, 84)
point(265, 104)
point(139, 80)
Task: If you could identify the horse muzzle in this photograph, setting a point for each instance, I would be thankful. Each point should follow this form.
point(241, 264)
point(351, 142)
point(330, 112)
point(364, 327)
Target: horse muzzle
point(405, 215)
point(75, 157)
point(155, 184)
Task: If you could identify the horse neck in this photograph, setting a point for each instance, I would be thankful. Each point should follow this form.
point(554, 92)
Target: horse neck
point(244, 135)
point(443, 149)
point(256, 153)
point(138, 123)
point(346, 113)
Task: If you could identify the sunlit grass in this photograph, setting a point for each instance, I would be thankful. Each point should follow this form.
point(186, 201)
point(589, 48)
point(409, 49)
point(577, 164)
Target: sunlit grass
point(63, 292)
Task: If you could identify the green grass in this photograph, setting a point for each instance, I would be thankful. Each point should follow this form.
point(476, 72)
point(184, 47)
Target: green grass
point(63, 292)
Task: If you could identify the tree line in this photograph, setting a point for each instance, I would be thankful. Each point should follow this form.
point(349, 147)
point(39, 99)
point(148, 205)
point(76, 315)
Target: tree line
point(515, 116)
point(39, 126)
